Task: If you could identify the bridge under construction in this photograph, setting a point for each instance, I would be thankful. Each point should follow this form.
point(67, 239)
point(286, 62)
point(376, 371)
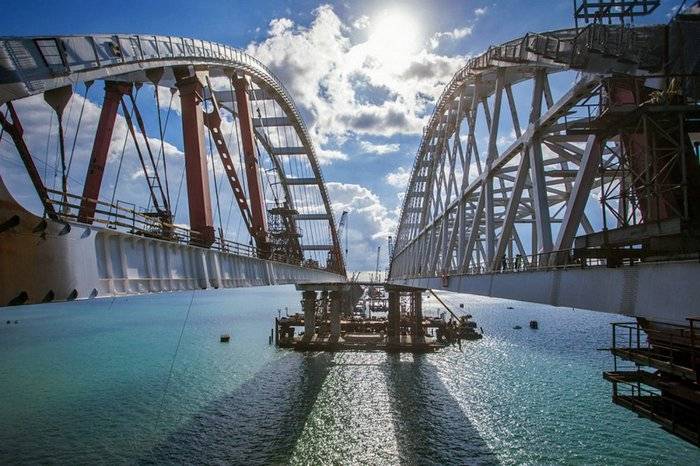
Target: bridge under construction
point(594, 203)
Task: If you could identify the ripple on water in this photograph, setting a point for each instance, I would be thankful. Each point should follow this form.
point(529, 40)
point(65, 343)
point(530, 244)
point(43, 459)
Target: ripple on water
point(84, 383)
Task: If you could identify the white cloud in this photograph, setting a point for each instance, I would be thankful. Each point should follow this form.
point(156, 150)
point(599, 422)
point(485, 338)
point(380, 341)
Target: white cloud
point(326, 156)
point(380, 149)
point(455, 34)
point(279, 25)
point(35, 115)
point(369, 223)
point(332, 76)
point(398, 178)
point(480, 11)
point(361, 23)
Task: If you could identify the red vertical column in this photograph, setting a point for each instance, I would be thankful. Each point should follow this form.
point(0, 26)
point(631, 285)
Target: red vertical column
point(252, 171)
point(199, 198)
point(100, 149)
point(655, 204)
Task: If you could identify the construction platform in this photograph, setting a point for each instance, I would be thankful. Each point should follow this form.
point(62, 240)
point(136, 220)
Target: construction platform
point(357, 316)
point(363, 342)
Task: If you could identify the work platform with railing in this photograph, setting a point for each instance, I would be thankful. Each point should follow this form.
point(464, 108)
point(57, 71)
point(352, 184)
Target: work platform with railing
point(368, 316)
point(656, 373)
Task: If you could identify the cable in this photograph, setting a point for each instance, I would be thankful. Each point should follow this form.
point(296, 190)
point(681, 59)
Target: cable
point(39, 161)
point(216, 186)
point(77, 128)
point(48, 142)
point(162, 142)
point(179, 190)
point(161, 150)
point(119, 168)
point(2, 129)
point(172, 363)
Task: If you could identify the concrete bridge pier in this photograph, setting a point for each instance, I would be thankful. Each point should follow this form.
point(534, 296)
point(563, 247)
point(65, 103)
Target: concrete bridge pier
point(308, 304)
point(417, 304)
point(394, 316)
point(336, 300)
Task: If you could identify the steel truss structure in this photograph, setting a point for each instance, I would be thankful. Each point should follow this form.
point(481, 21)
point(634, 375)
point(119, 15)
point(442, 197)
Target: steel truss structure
point(284, 205)
point(611, 154)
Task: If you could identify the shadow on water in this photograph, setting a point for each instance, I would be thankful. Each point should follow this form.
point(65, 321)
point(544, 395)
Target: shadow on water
point(429, 424)
point(259, 423)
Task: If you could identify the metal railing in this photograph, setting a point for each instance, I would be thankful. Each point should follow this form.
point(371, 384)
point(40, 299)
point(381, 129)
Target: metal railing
point(665, 339)
point(128, 218)
point(554, 260)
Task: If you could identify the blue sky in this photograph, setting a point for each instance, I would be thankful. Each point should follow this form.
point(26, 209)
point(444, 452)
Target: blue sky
point(364, 73)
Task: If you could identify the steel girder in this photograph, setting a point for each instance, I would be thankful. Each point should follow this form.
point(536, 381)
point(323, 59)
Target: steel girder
point(467, 203)
point(34, 65)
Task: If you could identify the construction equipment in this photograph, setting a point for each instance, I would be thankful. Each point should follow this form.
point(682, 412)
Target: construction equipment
point(376, 269)
point(341, 229)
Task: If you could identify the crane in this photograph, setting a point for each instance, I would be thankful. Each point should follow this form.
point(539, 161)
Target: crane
point(341, 228)
point(390, 251)
point(376, 269)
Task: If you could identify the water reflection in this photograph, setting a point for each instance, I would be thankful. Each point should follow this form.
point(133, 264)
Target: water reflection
point(430, 426)
point(259, 423)
point(332, 408)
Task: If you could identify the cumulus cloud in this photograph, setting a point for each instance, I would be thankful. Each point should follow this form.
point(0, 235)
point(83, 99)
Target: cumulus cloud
point(379, 149)
point(279, 25)
point(398, 178)
point(36, 115)
point(326, 156)
point(480, 11)
point(328, 73)
point(455, 34)
point(361, 23)
point(369, 222)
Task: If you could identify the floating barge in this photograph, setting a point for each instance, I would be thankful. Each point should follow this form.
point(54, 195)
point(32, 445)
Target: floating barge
point(367, 317)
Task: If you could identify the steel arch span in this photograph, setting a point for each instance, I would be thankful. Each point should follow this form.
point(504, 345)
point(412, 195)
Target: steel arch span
point(80, 243)
point(513, 188)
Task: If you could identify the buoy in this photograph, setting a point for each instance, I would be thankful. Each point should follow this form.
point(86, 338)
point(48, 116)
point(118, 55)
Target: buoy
point(534, 325)
point(509, 307)
point(8, 322)
point(225, 338)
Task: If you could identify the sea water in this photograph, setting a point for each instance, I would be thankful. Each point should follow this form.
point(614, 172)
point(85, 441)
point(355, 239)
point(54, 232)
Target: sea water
point(146, 380)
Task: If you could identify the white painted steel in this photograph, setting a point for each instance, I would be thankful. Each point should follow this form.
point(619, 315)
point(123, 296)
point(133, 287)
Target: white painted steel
point(89, 261)
point(663, 291)
point(450, 223)
point(27, 70)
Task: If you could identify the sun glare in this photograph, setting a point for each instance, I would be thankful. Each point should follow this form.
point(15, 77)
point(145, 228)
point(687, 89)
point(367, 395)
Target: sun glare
point(394, 36)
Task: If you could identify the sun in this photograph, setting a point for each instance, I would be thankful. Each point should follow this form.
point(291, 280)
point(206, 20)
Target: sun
point(394, 36)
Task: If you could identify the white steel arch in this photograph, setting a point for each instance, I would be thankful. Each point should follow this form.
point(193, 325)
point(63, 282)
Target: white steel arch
point(34, 65)
point(469, 205)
